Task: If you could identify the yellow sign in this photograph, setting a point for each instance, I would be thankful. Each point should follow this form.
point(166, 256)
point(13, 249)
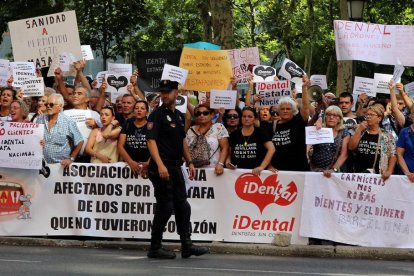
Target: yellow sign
point(207, 69)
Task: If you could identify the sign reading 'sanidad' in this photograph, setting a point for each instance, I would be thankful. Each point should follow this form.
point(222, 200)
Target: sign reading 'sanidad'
point(39, 39)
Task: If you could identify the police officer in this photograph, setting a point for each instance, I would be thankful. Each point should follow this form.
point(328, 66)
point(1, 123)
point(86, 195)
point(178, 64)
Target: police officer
point(166, 143)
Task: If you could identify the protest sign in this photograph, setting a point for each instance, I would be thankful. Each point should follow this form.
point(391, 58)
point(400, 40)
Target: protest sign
point(40, 39)
point(66, 60)
point(319, 80)
point(381, 83)
point(291, 71)
point(409, 88)
point(376, 43)
point(318, 136)
point(20, 76)
point(100, 77)
point(117, 85)
point(20, 145)
point(151, 64)
point(207, 69)
point(262, 73)
point(4, 72)
point(23, 65)
point(241, 59)
point(223, 99)
point(358, 209)
point(120, 68)
point(174, 73)
point(33, 87)
point(398, 71)
point(364, 85)
point(271, 92)
point(87, 53)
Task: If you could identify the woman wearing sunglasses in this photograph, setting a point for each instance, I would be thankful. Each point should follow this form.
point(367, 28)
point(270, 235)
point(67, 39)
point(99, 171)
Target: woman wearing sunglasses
point(231, 119)
point(208, 142)
point(374, 148)
point(250, 147)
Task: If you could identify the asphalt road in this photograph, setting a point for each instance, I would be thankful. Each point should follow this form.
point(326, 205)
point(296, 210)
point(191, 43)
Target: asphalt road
point(26, 260)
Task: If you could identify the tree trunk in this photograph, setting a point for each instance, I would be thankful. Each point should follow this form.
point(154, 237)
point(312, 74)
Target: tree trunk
point(344, 78)
point(222, 22)
point(204, 8)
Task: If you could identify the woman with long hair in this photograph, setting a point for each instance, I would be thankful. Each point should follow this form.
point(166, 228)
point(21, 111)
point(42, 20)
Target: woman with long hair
point(232, 119)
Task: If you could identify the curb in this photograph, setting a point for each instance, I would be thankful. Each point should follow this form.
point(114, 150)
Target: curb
point(314, 251)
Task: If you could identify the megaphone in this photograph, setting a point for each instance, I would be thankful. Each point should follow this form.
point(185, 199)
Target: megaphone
point(315, 93)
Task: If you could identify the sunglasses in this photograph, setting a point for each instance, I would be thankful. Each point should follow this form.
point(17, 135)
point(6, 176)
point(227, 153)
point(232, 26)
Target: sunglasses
point(199, 113)
point(51, 105)
point(232, 116)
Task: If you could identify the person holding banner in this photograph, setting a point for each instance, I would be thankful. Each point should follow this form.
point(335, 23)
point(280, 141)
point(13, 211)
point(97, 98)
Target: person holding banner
point(19, 111)
point(167, 145)
point(374, 148)
point(251, 147)
point(102, 142)
point(7, 95)
point(132, 143)
point(289, 133)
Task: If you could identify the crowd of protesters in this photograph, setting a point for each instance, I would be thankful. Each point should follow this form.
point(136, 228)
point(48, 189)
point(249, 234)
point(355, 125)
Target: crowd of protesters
point(377, 138)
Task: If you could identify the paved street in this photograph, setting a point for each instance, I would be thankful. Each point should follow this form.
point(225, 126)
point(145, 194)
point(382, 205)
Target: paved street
point(26, 260)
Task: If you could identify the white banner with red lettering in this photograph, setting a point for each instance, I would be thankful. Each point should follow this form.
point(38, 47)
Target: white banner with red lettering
point(359, 209)
point(107, 200)
point(382, 44)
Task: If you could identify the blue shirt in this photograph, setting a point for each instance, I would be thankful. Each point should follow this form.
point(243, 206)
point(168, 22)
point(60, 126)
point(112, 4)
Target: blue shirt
point(61, 139)
point(406, 142)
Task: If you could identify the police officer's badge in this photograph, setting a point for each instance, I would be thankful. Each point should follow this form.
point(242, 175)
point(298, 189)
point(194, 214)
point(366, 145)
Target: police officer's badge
point(169, 118)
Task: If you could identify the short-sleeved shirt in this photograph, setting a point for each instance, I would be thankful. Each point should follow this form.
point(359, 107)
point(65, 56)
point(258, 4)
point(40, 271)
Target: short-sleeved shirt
point(136, 141)
point(61, 139)
point(248, 152)
point(167, 129)
point(405, 141)
point(213, 135)
point(290, 144)
point(365, 153)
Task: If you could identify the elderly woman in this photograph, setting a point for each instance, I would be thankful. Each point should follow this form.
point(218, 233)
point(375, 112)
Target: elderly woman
point(329, 157)
point(216, 136)
point(251, 147)
point(19, 111)
point(374, 148)
point(405, 149)
point(289, 133)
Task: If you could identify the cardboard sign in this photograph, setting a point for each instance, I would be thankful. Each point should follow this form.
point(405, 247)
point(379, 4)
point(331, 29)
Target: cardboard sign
point(271, 92)
point(376, 43)
point(39, 39)
point(87, 53)
point(33, 87)
point(262, 73)
point(174, 73)
point(364, 85)
point(223, 98)
point(381, 83)
point(291, 71)
point(120, 68)
point(318, 136)
point(117, 85)
point(241, 59)
point(207, 69)
point(319, 80)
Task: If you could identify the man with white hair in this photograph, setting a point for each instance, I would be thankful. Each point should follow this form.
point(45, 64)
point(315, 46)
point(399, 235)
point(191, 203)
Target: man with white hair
point(62, 139)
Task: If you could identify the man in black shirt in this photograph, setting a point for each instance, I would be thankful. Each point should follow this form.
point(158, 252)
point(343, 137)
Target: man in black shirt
point(167, 145)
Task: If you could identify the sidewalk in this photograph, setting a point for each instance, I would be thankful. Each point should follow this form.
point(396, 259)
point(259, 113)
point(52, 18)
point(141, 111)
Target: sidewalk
point(316, 251)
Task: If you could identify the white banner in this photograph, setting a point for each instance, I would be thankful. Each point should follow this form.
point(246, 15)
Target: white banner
point(108, 200)
point(359, 209)
point(40, 39)
point(382, 44)
point(20, 145)
point(271, 92)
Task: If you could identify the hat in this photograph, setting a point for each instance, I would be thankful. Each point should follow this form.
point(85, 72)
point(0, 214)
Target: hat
point(167, 86)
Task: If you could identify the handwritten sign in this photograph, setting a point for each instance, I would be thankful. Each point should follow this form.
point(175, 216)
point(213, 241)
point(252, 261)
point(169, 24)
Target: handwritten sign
point(39, 39)
point(318, 136)
point(20, 145)
point(364, 85)
point(207, 69)
point(241, 59)
point(376, 43)
point(174, 73)
point(271, 92)
point(223, 99)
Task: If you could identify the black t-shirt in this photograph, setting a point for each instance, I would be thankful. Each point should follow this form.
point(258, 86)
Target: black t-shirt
point(290, 143)
point(136, 141)
point(247, 152)
point(365, 153)
point(167, 129)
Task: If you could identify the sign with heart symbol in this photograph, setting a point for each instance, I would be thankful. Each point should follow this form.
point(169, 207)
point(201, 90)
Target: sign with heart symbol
point(117, 81)
point(250, 187)
point(117, 85)
point(262, 73)
point(291, 71)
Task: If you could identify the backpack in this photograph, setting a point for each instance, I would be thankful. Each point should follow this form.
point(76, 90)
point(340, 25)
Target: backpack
point(200, 149)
